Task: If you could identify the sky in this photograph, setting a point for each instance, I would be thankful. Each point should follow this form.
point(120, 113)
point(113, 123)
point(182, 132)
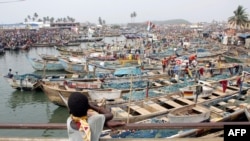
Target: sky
point(119, 11)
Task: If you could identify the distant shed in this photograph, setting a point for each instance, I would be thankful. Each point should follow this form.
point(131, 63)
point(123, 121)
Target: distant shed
point(245, 38)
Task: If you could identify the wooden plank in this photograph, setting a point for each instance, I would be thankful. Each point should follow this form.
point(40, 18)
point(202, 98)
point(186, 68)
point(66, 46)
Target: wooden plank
point(170, 102)
point(222, 103)
point(201, 100)
point(234, 87)
point(155, 106)
point(119, 112)
point(231, 101)
point(165, 81)
point(233, 107)
point(200, 109)
point(212, 96)
point(215, 109)
point(243, 105)
point(157, 84)
point(140, 110)
point(186, 101)
point(219, 93)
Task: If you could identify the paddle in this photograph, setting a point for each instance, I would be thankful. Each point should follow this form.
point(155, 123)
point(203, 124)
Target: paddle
point(63, 99)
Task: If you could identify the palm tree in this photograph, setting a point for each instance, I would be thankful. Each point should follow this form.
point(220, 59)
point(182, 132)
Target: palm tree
point(100, 20)
point(240, 18)
point(131, 16)
point(35, 16)
point(28, 17)
point(134, 14)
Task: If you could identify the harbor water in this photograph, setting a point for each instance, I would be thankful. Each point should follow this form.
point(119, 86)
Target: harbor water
point(28, 106)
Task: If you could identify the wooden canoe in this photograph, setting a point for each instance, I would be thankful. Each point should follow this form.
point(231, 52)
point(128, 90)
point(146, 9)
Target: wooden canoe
point(189, 114)
point(247, 112)
point(190, 91)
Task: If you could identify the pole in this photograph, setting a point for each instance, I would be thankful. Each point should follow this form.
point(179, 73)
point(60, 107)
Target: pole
point(131, 86)
point(147, 89)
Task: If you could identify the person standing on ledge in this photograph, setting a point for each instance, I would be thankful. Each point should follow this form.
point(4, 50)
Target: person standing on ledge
point(84, 125)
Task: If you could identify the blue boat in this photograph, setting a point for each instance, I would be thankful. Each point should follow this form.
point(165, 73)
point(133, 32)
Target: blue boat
point(23, 82)
point(41, 64)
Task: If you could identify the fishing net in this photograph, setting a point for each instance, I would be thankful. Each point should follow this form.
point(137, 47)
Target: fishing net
point(152, 133)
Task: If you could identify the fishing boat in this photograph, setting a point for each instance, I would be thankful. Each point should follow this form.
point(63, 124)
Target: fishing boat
point(182, 109)
point(190, 92)
point(189, 114)
point(225, 109)
point(144, 109)
point(74, 64)
point(41, 65)
point(23, 82)
point(51, 89)
point(90, 39)
point(48, 57)
point(247, 112)
point(71, 51)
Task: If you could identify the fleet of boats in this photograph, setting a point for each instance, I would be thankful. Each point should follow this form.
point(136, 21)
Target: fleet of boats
point(133, 85)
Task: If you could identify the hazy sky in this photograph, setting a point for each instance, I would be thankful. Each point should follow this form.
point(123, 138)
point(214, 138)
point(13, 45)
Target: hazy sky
point(118, 11)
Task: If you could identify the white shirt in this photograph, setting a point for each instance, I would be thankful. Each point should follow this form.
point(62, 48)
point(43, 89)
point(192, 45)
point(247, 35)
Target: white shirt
point(96, 123)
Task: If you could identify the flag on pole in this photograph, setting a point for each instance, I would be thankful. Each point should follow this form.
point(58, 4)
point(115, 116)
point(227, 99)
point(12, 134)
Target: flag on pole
point(150, 25)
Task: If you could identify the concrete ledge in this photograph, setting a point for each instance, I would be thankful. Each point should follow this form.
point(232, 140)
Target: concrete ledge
point(127, 139)
point(33, 139)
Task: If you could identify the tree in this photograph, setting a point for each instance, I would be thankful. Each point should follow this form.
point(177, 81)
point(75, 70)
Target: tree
point(35, 16)
point(52, 20)
point(100, 21)
point(240, 18)
point(133, 15)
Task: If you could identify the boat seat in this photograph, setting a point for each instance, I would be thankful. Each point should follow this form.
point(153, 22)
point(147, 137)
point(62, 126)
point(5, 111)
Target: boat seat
point(155, 107)
point(222, 103)
point(170, 102)
point(215, 109)
point(175, 96)
point(75, 76)
point(200, 109)
point(157, 91)
point(219, 93)
point(165, 81)
point(201, 100)
point(243, 105)
point(233, 87)
point(186, 101)
point(231, 101)
point(150, 73)
point(119, 112)
point(212, 96)
point(157, 84)
point(140, 110)
point(233, 108)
